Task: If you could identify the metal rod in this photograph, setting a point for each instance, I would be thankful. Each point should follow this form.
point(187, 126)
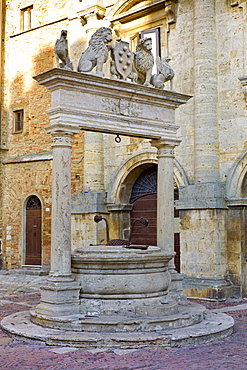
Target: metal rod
point(143, 221)
point(97, 219)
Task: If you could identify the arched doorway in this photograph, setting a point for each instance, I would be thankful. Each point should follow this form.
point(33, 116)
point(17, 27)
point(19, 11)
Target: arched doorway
point(33, 231)
point(144, 200)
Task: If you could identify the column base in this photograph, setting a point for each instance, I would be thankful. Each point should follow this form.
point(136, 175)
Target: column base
point(59, 297)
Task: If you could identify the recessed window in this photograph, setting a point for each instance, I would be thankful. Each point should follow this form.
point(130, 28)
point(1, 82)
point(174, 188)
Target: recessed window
point(154, 34)
point(26, 18)
point(18, 120)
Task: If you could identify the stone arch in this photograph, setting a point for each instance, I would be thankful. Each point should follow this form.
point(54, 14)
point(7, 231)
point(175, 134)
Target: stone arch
point(236, 183)
point(122, 6)
point(124, 177)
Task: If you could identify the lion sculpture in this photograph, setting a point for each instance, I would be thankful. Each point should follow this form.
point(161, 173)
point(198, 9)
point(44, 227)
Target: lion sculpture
point(97, 52)
point(166, 73)
point(144, 61)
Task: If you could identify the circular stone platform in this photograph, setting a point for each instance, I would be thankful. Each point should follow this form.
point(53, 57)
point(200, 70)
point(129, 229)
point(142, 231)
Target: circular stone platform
point(215, 326)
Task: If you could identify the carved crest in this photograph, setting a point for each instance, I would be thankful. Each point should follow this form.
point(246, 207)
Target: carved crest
point(123, 59)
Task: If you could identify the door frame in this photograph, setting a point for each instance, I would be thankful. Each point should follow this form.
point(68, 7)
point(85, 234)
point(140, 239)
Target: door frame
point(24, 225)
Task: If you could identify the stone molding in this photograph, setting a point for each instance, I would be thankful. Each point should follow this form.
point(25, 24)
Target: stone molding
point(127, 11)
point(29, 158)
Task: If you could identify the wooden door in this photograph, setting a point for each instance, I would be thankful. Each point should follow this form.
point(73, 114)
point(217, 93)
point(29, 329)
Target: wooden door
point(144, 200)
point(146, 207)
point(33, 231)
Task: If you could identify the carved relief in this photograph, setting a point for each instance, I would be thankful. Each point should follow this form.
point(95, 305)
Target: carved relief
point(122, 107)
point(61, 140)
point(122, 59)
point(127, 108)
point(111, 105)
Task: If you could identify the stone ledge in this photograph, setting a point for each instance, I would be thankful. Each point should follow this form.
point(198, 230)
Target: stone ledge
point(202, 196)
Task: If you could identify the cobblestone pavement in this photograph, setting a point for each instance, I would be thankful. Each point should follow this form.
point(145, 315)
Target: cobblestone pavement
point(230, 353)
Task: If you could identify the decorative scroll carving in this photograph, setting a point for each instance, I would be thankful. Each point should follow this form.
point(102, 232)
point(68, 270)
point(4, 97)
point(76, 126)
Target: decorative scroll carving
point(170, 11)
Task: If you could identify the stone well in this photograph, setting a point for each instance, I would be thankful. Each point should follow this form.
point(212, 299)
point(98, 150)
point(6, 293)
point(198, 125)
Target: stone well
point(112, 296)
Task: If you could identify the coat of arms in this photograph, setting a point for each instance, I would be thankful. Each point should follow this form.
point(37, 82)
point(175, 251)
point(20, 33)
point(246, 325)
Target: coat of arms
point(122, 59)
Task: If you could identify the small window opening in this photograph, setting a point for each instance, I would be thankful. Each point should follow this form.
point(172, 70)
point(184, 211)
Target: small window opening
point(26, 18)
point(18, 120)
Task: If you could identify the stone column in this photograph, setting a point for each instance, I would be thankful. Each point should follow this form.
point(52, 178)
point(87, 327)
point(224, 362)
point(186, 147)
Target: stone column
point(165, 207)
point(61, 295)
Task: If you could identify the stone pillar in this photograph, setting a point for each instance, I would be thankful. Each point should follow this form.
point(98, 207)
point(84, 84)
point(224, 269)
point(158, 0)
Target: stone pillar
point(165, 207)
point(205, 93)
point(61, 295)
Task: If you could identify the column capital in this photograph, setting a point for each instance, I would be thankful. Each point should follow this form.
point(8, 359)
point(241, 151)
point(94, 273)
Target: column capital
point(165, 146)
point(62, 134)
point(58, 129)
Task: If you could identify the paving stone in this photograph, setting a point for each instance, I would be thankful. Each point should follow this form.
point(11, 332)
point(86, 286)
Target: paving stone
point(63, 349)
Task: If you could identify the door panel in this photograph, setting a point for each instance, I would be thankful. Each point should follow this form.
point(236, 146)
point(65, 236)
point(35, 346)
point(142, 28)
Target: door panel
point(33, 237)
point(144, 200)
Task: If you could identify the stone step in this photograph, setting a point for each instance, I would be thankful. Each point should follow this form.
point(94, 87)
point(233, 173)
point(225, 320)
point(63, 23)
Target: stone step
point(214, 327)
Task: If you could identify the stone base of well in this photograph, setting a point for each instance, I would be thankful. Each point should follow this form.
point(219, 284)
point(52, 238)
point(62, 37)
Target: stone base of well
point(123, 301)
point(215, 326)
